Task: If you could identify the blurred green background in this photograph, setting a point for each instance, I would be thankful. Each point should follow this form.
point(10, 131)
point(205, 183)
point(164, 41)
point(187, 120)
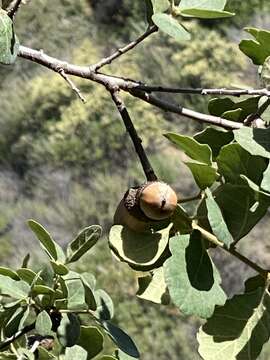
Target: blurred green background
point(67, 164)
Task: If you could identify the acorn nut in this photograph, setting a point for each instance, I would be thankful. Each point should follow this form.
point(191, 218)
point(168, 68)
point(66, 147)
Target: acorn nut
point(141, 207)
point(158, 201)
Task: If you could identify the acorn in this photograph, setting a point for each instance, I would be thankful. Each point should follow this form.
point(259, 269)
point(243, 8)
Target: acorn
point(145, 205)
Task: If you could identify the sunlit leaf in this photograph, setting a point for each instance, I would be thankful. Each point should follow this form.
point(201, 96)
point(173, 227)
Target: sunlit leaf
point(171, 26)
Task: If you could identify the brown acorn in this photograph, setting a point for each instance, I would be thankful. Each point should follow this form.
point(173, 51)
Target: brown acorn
point(145, 205)
point(158, 201)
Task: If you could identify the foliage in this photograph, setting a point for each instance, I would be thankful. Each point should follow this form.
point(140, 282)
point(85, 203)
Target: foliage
point(173, 261)
point(50, 306)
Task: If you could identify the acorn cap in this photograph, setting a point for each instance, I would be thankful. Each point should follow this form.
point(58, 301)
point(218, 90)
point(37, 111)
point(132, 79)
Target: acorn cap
point(157, 200)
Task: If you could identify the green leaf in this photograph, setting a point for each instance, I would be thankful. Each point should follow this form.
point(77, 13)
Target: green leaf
point(91, 339)
point(192, 279)
point(265, 185)
point(260, 195)
point(106, 357)
point(192, 148)
point(206, 14)
point(9, 272)
point(265, 74)
point(153, 287)
point(12, 326)
point(236, 202)
point(25, 354)
point(171, 26)
point(255, 141)
point(76, 292)
point(89, 279)
point(234, 161)
point(204, 175)
point(181, 220)
point(142, 249)
point(43, 324)
point(25, 318)
point(233, 115)
point(85, 240)
point(29, 276)
point(25, 261)
point(42, 290)
point(237, 330)
point(264, 104)
point(231, 110)
point(121, 339)
point(59, 268)
point(9, 44)
point(259, 49)
point(149, 11)
point(159, 6)
point(203, 4)
point(104, 304)
point(215, 138)
point(216, 220)
point(69, 330)
point(88, 290)
point(43, 354)
point(13, 288)
point(49, 245)
point(75, 352)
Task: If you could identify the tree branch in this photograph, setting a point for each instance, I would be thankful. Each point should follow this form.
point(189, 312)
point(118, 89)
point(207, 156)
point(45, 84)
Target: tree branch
point(112, 82)
point(5, 343)
point(15, 5)
point(177, 109)
point(124, 49)
point(203, 91)
point(214, 240)
point(72, 85)
point(137, 142)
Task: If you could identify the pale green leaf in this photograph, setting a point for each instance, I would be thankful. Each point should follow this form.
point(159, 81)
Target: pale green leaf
point(43, 323)
point(141, 249)
point(192, 148)
point(255, 141)
point(171, 26)
point(91, 339)
point(153, 287)
point(204, 175)
point(75, 352)
point(216, 220)
point(206, 14)
point(203, 4)
point(192, 278)
point(9, 44)
point(234, 161)
point(238, 330)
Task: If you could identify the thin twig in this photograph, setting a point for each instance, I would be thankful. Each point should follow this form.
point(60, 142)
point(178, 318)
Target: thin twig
point(124, 49)
point(15, 5)
point(177, 109)
point(5, 343)
point(137, 142)
point(202, 91)
point(72, 85)
point(214, 240)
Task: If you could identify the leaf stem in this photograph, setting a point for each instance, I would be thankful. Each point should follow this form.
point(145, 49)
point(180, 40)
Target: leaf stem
point(214, 240)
